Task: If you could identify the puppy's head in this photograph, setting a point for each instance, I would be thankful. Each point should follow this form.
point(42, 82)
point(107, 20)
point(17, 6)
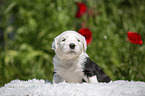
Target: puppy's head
point(69, 44)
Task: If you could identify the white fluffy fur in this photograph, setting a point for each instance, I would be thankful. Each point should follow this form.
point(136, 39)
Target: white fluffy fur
point(68, 63)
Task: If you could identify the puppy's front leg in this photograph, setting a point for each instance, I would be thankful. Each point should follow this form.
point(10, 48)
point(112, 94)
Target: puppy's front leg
point(93, 79)
point(57, 79)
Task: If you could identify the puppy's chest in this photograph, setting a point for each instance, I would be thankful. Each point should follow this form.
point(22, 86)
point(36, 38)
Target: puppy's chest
point(71, 73)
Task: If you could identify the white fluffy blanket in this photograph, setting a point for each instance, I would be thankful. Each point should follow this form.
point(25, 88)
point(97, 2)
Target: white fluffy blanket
point(40, 88)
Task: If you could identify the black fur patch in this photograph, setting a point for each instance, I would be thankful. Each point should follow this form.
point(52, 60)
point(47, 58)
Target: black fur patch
point(83, 80)
point(54, 73)
point(92, 69)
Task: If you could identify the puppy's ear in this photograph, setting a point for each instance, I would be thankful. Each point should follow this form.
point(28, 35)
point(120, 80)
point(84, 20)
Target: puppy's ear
point(84, 44)
point(54, 44)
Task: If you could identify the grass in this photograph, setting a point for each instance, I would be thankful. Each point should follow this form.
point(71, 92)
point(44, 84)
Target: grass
point(30, 26)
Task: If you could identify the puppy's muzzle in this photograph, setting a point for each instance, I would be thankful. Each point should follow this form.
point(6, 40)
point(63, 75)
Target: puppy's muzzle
point(72, 45)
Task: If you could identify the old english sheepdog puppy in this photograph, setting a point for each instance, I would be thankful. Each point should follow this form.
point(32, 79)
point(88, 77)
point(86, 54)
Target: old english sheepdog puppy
point(71, 62)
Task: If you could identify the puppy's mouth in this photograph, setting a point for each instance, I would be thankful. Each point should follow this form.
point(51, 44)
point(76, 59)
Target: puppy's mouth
point(72, 52)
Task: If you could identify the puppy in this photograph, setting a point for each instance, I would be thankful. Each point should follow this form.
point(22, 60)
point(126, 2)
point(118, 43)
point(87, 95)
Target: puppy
point(71, 62)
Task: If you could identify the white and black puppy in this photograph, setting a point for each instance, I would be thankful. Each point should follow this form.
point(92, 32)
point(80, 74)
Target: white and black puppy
point(71, 62)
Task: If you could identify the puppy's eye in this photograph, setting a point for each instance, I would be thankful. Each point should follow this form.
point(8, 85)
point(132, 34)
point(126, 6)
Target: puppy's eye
point(78, 40)
point(63, 39)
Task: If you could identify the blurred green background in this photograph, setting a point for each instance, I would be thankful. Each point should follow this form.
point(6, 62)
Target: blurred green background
point(28, 28)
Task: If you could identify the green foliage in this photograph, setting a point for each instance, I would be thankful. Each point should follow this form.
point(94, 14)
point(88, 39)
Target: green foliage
point(36, 23)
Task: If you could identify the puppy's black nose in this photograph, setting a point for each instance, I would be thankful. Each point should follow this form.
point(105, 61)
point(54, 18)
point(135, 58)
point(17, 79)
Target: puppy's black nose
point(72, 45)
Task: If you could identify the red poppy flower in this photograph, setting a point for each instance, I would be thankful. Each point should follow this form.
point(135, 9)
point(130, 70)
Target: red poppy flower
point(134, 38)
point(87, 34)
point(81, 9)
